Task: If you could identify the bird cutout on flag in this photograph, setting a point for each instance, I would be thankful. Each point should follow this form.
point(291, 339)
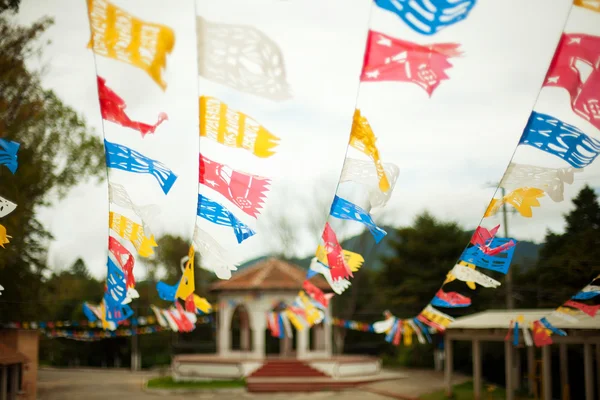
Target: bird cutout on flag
point(132, 231)
point(218, 214)
point(316, 293)
point(335, 258)
point(467, 274)
point(214, 257)
point(589, 310)
point(484, 238)
point(365, 173)
point(391, 59)
point(450, 300)
point(125, 260)
point(541, 337)
point(6, 207)
point(499, 261)
point(588, 292)
point(428, 17)
point(8, 154)
point(118, 35)
point(343, 209)
point(338, 285)
point(234, 129)
point(563, 72)
point(112, 108)
point(558, 138)
point(566, 314)
point(522, 199)
point(243, 58)
point(353, 260)
point(118, 195)
point(363, 139)
point(593, 5)
point(246, 191)
point(433, 317)
point(4, 237)
point(123, 158)
point(550, 180)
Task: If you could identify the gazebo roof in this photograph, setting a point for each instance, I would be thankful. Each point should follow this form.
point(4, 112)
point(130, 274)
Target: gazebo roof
point(269, 274)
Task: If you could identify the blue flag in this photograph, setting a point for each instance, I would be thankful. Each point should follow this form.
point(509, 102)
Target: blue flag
point(586, 295)
point(548, 325)
point(166, 291)
point(8, 154)
point(428, 16)
point(560, 139)
point(123, 158)
point(343, 209)
point(498, 262)
point(423, 329)
point(218, 214)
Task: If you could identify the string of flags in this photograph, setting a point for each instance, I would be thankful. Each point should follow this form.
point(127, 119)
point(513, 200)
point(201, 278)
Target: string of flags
point(540, 335)
point(8, 158)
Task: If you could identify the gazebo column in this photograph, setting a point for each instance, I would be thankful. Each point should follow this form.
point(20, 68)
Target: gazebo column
point(327, 332)
point(531, 369)
point(588, 371)
point(259, 324)
point(448, 365)
point(508, 370)
point(302, 350)
point(564, 372)
point(477, 369)
point(546, 373)
point(224, 342)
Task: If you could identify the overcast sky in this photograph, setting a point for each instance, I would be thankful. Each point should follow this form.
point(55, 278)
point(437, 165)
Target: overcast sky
point(447, 147)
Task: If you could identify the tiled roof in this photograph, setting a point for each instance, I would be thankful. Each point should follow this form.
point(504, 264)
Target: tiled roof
point(269, 274)
point(9, 356)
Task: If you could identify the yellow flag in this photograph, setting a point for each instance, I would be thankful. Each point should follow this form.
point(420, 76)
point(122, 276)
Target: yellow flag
point(294, 320)
point(363, 139)
point(407, 334)
point(593, 5)
point(202, 304)
point(119, 35)
point(3, 236)
point(353, 260)
point(234, 129)
point(522, 199)
point(436, 316)
point(312, 313)
point(186, 284)
point(133, 232)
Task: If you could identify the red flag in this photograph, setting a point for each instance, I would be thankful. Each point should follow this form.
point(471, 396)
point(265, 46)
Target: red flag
point(391, 59)
point(510, 331)
point(335, 258)
point(113, 107)
point(398, 334)
point(453, 298)
point(183, 323)
point(574, 50)
point(246, 191)
point(540, 335)
point(316, 293)
point(483, 237)
point(119, 251)
point(589, 310)
point(432, 324)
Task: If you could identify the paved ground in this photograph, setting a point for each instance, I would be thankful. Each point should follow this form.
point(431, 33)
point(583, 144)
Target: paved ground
point(111, 384)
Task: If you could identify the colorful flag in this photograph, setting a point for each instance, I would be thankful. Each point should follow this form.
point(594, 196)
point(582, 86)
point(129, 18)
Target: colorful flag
point(365, 173)
point(428, 16)
point(246, 191)
point(563, 72)
point(450, 300)
point(8, 154)
point(466, 274)
point(112, 108)
point(499, 261)
point(316, 293)
point(133, 232)
point(588, 292)
point(589, 310)
point(125, 260)
point(316, 267)
point(122, 157)
point(4, 237)
point(335, 259)
point(119, 35)
point(118, 195)
point(241, 57)
point(540, 335)
point(550, 180)
point(549, 326)
point(343, 209)
point(6, 207)
point(218, 214)
point(353, 260)
point(391, 59)
point(522, 199)
point(214, 257)
point(558, 138)
point(593, 5)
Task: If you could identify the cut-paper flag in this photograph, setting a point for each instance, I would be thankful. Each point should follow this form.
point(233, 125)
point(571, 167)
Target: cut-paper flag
point(218, 214)
point(466, 274)
point(241, 57)
point(117, 194)
point(343, 209)
point(133, 232)
point(589, 310)
point(391, 59)
point(353, 260)
point(112, 108)
point(366, 173)
point(558, 138)
point(3, 236)
point(428, 17)
point(553, 329)
point(522, 199)
point(118, 35)
point(246, 191)
point(214, 257)
point(124, 258)
point(563, 72)
point(434, 318)
point(122, 157)
point(550, 180)
point(8, 154)
point(335, 258)
point(234, 129)
point(593, 5)
point(450, 300)
point(316, 293)
point(6, 207)
point(338, 285)
point(363, 139)
point(499, 262)
point(588, 292)
point(540, 335)
point(483, 239)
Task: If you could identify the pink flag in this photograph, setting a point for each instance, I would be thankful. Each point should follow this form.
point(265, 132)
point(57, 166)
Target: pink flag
point(246, 191)
point(335, 258)
point(316, 293)
point(574, 50)
point(119, 251)
point(391, 59)
point(589, 310)
point(113, 107)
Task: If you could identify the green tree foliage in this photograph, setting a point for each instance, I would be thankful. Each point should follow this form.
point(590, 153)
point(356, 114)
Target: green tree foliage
point(9, 5)
point(57, 152)
point(424, 253)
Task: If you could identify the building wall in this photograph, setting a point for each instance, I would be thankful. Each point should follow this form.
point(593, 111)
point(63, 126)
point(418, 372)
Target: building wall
point(26, 342)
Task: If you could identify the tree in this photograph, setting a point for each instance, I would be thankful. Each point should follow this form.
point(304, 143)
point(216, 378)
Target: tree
point(57, 151)
point(9, 5)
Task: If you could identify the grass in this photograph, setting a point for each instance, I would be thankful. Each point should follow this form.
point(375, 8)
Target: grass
point(167, 382)
point(464, 391)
